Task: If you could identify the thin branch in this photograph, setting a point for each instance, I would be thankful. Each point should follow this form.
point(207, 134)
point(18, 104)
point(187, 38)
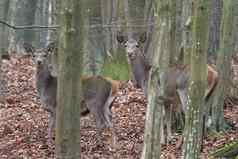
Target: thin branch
point(29, 26)
point(55, 27)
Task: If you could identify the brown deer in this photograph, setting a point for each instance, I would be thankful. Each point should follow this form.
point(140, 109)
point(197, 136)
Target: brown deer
point(176, 77)
point(139, 64)
point(98, 92)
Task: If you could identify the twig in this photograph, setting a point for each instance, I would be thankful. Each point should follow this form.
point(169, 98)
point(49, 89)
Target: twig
point(93, 26)
point(54, 27)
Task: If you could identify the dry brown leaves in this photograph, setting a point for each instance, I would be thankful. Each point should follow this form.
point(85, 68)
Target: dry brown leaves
point(23, 122)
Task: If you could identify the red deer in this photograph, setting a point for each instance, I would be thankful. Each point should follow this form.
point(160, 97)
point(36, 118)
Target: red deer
point(98, 92)
point(176, 77)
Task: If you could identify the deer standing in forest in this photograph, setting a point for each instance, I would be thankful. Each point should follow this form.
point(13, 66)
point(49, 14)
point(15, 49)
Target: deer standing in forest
point(98, 92)
point(176, 80)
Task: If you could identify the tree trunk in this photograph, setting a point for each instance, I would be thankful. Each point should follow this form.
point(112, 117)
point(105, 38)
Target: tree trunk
point(12, 33)
point(178, 30)
point(172, 30)
point(114, 28)
point(26, 14)
point(194, 114)
point(106, 19)
point(127, 19)
point(4, 5)
point(160, 56)
point(4, 32)
point(214, 28)
point(71, 49)
point(186, 46)
point(149, 20)
point(223, 64)
point(235, 44)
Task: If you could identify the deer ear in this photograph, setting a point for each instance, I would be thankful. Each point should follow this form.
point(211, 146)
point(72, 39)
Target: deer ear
point(29, 49)
point(120, 38)
point(51, 47)
point(143, 37)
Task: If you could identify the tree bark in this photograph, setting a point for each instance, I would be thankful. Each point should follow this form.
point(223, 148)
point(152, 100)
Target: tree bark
point(186, 46)
point(127, 19)
point(160, 56)
point(214, 28)
point(27, 17)
point(12, 17)
point(172, 30)
point(114, 28)
point(106, 19)
point(223, 64)
point(194, 114)
point(178, 30)
point(71, 49)
point(4, 32)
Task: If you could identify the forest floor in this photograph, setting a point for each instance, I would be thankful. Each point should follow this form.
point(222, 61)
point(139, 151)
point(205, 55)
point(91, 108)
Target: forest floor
point(23, 123)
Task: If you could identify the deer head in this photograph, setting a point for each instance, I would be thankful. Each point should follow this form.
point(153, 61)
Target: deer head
point(43, 57)
point(139, 63)
point(132, 46)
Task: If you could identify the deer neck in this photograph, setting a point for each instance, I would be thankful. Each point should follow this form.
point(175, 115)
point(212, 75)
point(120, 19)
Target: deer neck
point(43, 77)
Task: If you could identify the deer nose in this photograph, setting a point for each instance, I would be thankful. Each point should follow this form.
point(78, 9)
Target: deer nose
point(39, 62)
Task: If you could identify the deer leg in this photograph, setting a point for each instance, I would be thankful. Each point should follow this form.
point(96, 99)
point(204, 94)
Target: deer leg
point(162, 136)
point(108, 116)
point(183, 98)
point(51, 129)
point(96, 109)
point(114, 138)
point(99, 137)
point(168, 116)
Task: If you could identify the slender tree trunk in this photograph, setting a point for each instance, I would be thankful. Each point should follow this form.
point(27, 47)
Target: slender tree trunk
point(160, 56)
point(235, 44)
point(178, 30)
point(172, 30)
point(4, 31)
point(114, 28)
point(127, 19)
point(71, 49)
point(214, 28)
point(186, 31)
point(28, 18)
point(223, 64)
point(148, 20)
point(12, 17)
point(4, 5)
point(106, 19)
point(194, 114)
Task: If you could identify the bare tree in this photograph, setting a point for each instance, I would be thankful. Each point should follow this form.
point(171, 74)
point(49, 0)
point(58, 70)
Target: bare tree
point(71, 50)
point(194, 115)
point(223, 64)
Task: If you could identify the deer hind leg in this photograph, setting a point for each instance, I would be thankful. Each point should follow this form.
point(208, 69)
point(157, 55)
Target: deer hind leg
point(168, 119)
point(168, 123)
point(162, 136)
point(108, 117)
point(93, 107)
point(51, 128)
point(96, 108)
point(183, 96)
